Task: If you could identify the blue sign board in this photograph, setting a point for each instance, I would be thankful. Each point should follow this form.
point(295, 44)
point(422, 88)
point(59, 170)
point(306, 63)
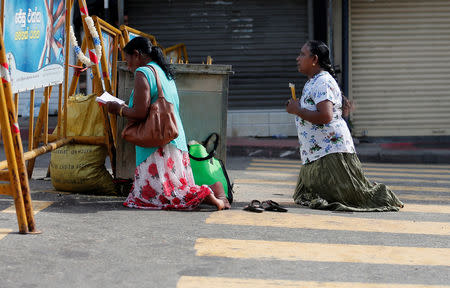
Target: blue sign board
point(34, 36)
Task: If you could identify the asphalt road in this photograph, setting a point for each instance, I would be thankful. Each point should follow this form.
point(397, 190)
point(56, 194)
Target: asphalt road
point(92, 241)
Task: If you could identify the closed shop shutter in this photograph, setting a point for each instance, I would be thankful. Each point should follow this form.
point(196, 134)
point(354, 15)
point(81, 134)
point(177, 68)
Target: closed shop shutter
point(399, 67)
point(260, 39)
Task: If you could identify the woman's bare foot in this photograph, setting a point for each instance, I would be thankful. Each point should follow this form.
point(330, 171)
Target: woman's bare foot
point(211, 199)
point(220, 205)
point(219, 193)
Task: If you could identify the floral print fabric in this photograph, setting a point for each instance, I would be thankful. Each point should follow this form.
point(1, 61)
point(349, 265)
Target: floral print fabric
point(165, 181)
point(317, 141)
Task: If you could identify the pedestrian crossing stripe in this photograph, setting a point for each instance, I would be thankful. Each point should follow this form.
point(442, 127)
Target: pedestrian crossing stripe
point(278, 169)
point(426, 208)
point(329, 222)
point(419, 188)
point(287, 199)
point(4, 232)
point(380, 179)
point(274, 174)
point(365, 164)
point(425, 197)
point(37, 206)
point(294, 174)
point(321, 252)
point(298, 165)
point(367, 173)
point(412, 170)
point(294, 183)
point(371, 173)
point(392, 174)
point(261, 160)
point(224, 282)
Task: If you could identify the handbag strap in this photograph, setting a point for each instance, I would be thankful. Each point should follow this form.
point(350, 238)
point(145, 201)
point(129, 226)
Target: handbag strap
point(212, 153)
point(216, 141)
point(158, 82)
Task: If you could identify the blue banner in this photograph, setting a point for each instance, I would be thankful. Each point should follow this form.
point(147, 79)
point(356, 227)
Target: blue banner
point(34, 36)
point(108, 46)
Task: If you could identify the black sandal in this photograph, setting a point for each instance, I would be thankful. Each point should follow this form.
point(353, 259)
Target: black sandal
point(254, 206)
point(270, 205)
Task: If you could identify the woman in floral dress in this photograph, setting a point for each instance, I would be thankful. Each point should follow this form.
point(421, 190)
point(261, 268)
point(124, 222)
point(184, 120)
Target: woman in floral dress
point(331, 176)
point(163, 177)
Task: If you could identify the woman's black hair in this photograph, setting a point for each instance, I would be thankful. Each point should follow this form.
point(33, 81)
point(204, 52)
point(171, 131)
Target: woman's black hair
point(323, 54)
point(144, 46)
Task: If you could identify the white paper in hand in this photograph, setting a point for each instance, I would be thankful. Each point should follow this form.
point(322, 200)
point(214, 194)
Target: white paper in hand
point(106, 97)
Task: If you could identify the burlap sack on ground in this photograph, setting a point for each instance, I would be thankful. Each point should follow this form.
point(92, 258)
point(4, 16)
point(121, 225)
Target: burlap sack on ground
point(81, 168)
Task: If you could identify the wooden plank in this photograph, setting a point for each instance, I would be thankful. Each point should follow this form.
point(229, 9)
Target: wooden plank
point(5, 189)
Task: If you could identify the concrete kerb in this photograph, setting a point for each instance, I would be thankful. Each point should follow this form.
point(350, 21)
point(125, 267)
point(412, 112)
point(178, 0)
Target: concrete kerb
point(437, 153)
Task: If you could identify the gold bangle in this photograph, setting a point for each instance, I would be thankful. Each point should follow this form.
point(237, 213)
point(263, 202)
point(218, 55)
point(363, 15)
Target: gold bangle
point(120, 111)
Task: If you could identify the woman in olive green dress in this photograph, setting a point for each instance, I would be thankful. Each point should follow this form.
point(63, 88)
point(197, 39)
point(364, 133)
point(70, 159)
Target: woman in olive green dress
point(331, 176)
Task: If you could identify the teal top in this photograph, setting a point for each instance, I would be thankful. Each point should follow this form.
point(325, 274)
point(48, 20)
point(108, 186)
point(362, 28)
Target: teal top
point(171, 95)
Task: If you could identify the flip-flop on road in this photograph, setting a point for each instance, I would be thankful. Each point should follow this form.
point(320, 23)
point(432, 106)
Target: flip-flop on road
point(257, 207)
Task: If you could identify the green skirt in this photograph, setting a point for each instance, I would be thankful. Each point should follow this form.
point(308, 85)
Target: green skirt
point(337, 182)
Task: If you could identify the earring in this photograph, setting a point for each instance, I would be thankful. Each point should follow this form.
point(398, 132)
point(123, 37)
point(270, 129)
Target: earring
point(314, 64)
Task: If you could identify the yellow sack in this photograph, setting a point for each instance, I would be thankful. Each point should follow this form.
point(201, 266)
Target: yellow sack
point(76, 167)
point(84, 117)
point(81, 168)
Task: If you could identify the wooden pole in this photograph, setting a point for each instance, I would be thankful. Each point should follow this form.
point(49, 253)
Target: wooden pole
point(47, 92)
point(36, 138)
point(110, 82)
point(114, 65)
point(32, 154)
point(103, 59)
point(69, 4)
point(76, 75)
point(31, 122)
point(122, 41)
point(14, 179)
point(2, 13)
point(4, 176)
point(185, 54)
point(45, 114)
point(18, 150)
point(16, 103)
point(98, 88)
point(60, 96)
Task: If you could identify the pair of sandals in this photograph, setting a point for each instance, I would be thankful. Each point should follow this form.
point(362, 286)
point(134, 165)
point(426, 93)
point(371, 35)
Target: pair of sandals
point(269, 205)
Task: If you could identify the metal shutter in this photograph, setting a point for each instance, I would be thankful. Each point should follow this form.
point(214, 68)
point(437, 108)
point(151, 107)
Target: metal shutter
point(400, 67)
point(260, 39)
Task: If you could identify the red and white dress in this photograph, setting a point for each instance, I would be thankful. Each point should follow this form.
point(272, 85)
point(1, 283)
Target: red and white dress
point(165, 181)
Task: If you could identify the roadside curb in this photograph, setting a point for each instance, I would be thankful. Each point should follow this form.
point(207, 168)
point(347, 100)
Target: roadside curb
point(437, 153)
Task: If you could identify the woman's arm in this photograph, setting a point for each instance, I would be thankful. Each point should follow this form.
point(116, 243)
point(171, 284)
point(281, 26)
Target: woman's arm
point(141, 99)
point(323, 115)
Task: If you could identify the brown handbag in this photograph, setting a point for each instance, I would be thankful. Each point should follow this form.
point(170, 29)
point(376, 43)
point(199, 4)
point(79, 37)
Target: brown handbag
point(160, 126)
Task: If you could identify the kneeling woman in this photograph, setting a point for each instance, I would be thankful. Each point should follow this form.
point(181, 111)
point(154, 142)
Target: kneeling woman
point(331, 176)
point(163, 177)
